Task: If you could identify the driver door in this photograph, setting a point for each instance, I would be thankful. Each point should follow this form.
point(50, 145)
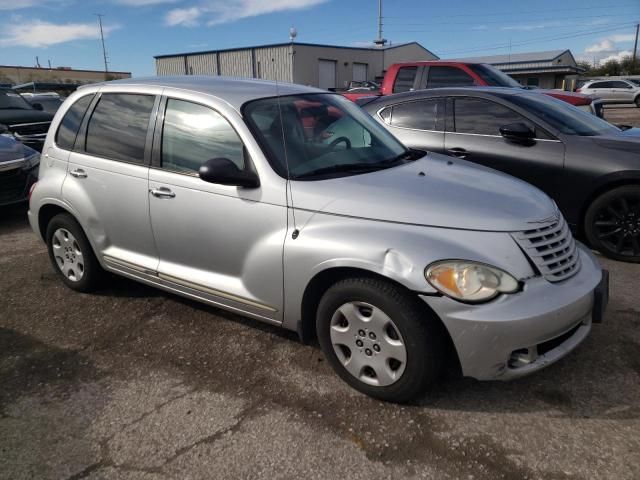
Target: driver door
point(218, 242)
point(473, 133)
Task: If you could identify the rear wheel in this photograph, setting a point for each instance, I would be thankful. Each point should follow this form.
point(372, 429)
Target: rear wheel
point(637, 101)
point(612, 223)
point(71, 254)
point(378, 339)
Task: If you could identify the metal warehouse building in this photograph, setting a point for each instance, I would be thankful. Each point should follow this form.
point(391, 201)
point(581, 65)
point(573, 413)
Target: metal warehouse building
point(550, 69)
point(323, 66)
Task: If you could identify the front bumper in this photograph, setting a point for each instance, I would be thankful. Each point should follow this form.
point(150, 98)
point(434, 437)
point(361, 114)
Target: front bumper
point(518, 334)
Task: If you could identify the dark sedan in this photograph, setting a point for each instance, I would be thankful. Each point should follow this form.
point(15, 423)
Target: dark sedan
point(18, 170)
point(588, 166)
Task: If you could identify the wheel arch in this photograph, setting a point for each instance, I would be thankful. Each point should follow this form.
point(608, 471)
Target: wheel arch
point(324, 279)
point(46, 213)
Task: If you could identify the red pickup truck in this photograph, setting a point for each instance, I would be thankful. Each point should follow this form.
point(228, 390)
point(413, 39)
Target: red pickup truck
point(404, 77)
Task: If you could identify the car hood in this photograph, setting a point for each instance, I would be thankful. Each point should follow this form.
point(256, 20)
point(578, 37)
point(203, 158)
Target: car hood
point(631, 133)
point(435, 190)
point(626, 141)
point(17, 115)
point(11, 149)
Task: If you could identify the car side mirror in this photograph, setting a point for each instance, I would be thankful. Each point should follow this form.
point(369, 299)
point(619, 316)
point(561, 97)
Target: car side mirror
point(517, 132)
point(224, 172)
point(37, 106)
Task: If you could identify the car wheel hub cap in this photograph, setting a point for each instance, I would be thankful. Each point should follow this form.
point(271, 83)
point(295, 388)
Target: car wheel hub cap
point(68, 255)
point(618, 226)
point(368, 344)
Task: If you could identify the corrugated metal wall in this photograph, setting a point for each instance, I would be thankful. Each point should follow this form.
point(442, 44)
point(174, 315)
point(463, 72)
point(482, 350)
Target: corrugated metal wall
point(272, 63)
point(202, 64)
point(236, 64)
point(170, 65)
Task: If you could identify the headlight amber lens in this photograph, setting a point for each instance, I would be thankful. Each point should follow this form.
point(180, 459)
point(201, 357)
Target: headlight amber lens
point(469, 281)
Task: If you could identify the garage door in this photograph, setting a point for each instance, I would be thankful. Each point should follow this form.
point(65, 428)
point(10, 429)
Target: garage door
point(359, 72)
point(327, 69)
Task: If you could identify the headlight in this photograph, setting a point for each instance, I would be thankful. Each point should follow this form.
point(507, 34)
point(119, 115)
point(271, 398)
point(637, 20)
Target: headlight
point(469, 281)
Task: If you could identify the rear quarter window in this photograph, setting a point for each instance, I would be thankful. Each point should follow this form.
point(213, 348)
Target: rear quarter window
point(405, 79)
point(68, 130)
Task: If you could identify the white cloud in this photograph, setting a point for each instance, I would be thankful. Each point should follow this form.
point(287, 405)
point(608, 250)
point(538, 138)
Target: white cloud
point(623, 37)
point(605, 45)
point(185, 17)
point(216, 12)
point(144, 3)
point(618, 56)
point(37, 34)
point(19, 4)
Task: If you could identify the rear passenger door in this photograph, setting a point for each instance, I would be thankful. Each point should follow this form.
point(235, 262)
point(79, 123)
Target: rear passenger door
point(107, 181)
point(622, 91)
point(473, 133)
point(417, 124)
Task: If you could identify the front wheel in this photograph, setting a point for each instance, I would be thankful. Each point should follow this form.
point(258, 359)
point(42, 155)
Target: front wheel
point(378, 339)
point(612, 223)
point(637, 101)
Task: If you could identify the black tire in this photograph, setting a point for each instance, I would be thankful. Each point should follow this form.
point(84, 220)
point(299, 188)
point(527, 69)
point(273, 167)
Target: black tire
point(637, 101)
point(612, 223)
point(422, 334)
point(92, 273)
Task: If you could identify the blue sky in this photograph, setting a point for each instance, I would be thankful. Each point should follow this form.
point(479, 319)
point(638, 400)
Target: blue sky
point(66, 32)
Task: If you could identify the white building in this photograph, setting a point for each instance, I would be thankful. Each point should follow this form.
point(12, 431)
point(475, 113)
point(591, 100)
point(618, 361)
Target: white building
point(324, 66)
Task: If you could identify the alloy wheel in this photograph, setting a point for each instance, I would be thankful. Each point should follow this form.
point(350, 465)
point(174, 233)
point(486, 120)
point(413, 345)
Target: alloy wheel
point(68, 255)
point(368, 343)
point(617, 226)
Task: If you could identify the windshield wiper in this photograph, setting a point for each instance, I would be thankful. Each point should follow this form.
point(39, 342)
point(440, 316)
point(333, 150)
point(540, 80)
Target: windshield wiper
point(343, 168)
point(408, 156)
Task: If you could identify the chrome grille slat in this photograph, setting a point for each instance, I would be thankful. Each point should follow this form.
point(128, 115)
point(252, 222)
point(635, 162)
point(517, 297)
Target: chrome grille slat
point(552, 249)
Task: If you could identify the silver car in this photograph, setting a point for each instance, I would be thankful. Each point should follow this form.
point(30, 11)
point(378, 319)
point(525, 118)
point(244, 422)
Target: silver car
point(612, 91)
point(291, 205)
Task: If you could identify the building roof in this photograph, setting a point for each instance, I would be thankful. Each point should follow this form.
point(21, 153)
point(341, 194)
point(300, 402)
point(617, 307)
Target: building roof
point(235, 91)
point(530, 62)
point(272, 45)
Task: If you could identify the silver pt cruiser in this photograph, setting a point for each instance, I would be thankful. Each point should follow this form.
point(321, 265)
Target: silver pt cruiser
point(292, 206)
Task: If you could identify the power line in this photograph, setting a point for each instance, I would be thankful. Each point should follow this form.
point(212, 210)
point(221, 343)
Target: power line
point(529, 20)
point(540, 39)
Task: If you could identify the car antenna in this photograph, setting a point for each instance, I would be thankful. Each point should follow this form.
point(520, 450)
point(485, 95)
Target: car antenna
point(295, 232)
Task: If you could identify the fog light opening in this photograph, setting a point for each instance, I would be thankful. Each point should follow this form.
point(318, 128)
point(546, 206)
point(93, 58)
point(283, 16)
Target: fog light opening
point(523, 357)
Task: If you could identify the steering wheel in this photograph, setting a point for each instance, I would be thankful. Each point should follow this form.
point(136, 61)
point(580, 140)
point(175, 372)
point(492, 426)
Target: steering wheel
point(339, 140)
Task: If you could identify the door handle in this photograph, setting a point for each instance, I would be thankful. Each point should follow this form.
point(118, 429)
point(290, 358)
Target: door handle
point(457, 152)
point(78, 173)
point(161, 192)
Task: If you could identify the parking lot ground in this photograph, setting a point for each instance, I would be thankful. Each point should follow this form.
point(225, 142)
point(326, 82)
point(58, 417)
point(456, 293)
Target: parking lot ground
point(623, 114)
point(134, 383)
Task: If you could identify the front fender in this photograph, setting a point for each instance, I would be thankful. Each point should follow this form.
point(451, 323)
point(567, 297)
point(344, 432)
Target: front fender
point(396, 251)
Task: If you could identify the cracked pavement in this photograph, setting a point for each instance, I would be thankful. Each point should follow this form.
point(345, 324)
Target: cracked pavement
point(135, 383)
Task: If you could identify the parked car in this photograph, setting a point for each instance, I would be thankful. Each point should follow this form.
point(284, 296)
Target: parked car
point(50, 102)
point(18, 118)
point(406, 77)
point(18, 170)
point(588, 166)
point(612, 91)
point(219, 192)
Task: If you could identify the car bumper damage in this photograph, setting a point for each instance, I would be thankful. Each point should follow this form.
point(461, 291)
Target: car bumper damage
point(518, 334)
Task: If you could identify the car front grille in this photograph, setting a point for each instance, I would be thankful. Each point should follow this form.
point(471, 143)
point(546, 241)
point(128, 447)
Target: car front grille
point(552, 249)
point(12, 185)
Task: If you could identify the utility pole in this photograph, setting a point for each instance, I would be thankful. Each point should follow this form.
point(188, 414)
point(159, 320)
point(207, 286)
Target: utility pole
point(635, 48)
point(104, 50)
point(380, 41)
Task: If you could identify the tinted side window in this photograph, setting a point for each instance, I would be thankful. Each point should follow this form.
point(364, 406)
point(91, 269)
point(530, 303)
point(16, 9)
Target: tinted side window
point(600, 85)
point(404, 80)
point(193, 134)
point(619, 84)
point(118, 126)
point(475, 115)
point(448, 77)
point(421, 115)
point(68, 129)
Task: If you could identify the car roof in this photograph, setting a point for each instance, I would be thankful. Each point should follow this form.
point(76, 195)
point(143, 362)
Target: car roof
point(446, 91)
point(235, 91)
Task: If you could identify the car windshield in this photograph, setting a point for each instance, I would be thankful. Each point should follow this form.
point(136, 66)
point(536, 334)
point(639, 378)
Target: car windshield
point(315, 136)
point(635, 81)
point(492, 76)
point(10, 100)
point(564, 117)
